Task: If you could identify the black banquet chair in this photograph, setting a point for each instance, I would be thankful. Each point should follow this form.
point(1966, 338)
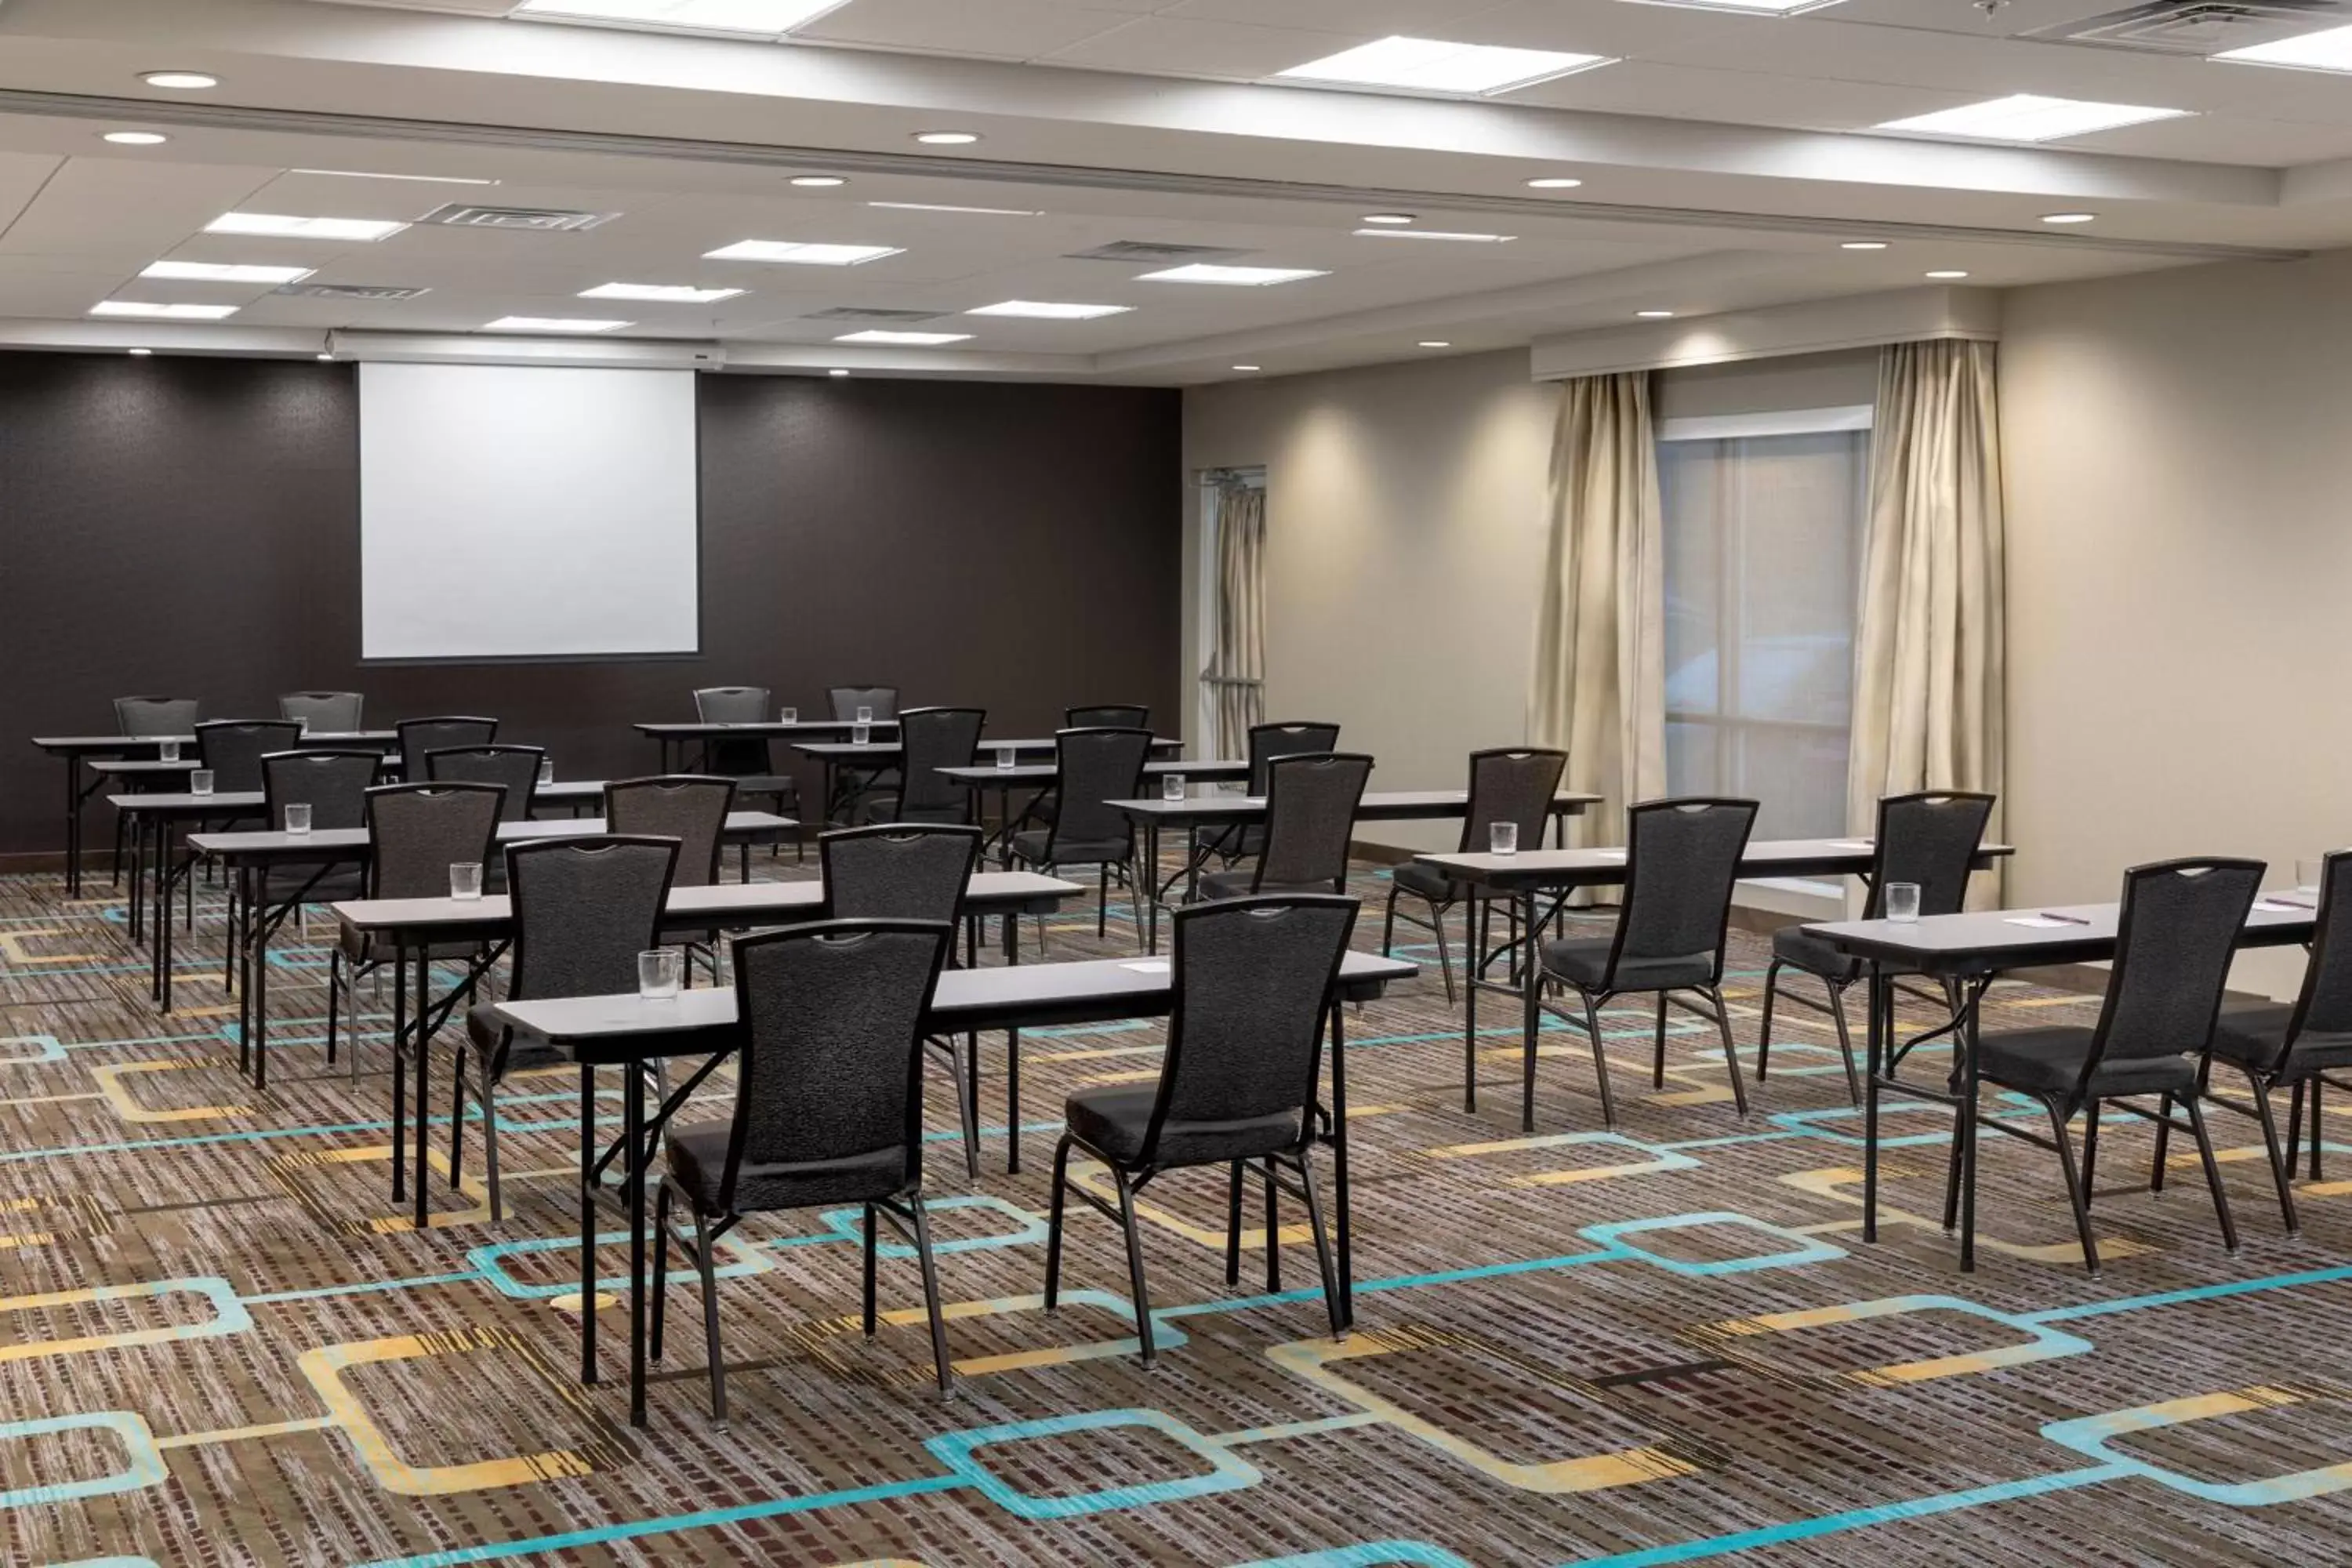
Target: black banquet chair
point(1682, 860)
point(828, 1109)
point(337, 712)
point(1310, 819)
point(930, 739)
point(1509, 784)
point(748, 759)
point(145, 718)
point(1092, 768)
point(1268, 744)
point(846, 700)
point(2175, 937)
point(1254, 981)
point(334, 785)
point(1929, 839)
point(420, 736)
point(514, 769)
point(691, 809)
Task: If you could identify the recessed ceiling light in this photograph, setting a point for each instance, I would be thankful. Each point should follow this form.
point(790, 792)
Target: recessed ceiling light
point(2070, 218)
point(1753, 7)
point(1554, 183)
point(1388, 220)
point(946, 138)
point(2028, 117)
point(905, 339)
point(223, 272)
point(938, 207)
point(1431, 65)
point(818, 182)
point(1434, 343)
point(1047, 310)
point(1862, 244)
point(137, 137)
point(379, 174)
point(161, 312)
point(1947, 273)
point(759, 18)
point(180, 81)
point(277, 225)
point(1456, 237)
point(328, 358)
point(1246, 367)
point(1654, 315)
point(836, 373)
point(659, 293)
point(2328, 51)
point(801, 254)
point(1235, 277)
point(553, 324)
point(140, 353)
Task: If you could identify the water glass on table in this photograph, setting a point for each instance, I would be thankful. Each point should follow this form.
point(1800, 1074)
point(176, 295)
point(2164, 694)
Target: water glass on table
point(466, 879)
point(787, 715)
point(861, 733)
point(1007, 758)
point(298, 817)
point(1903, 902)
point(1171, 786)
point(657, 974)
point(201, 781)
point(547, 769)
point(1502, 838)
point(169, 751)
point(866, 715)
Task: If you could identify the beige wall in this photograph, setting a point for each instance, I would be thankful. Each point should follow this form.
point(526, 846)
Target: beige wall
point(2179, 482)
point(1404, 539)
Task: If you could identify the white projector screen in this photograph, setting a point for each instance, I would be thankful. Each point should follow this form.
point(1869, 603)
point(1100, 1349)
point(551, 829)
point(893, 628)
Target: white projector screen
point(527, 512)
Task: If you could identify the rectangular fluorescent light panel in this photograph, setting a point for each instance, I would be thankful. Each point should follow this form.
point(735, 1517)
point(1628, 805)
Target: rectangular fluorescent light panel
point(659, 293)
point(938, 207)
point(1046, 311)
point(2328, 51)
point(802, 255)
point(759, 18)
point(906, 340)
point(379, 174)
point(1232, 277)
point(1436, 233)
point(277, 226)
point(1754, 7)
point(2024, 117)
point(161, 312)
point(1429, 65)
point(219, 272)
point(553, 324)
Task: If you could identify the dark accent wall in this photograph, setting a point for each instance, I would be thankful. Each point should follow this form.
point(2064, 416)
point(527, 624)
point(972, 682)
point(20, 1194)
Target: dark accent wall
point(189, 527)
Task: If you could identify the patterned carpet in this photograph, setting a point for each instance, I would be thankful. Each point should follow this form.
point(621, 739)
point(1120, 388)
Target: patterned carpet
point(222, 1345)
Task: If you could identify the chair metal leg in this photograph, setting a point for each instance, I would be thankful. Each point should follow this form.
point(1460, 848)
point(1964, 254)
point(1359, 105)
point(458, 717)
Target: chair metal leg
point(2090, 1151)
point(2212, 1173)
point(1845, 1044)
point(660, 1285)
point(1658, 1047)
point(1444, 959)
point(1332, 1304)
point(2282, 1164)
point(490, 1152)
point(869, 1250)
point(2163, 1141)
point(941, 1367)
point(2319, 1086)
point(1135, 1266)
point(1730, 1056)
point(1234, 1226)
point(1600, 1066)
point(1952, 1166)
point(457, 1119)
point(334, 988)
point(2065, 1144)
point(710, 1320)
point(1273, 1232)
point(1102, 900)
point(2293, 1128)
point(1388, 926)
point(1054, 1223)
point(1764, 1025)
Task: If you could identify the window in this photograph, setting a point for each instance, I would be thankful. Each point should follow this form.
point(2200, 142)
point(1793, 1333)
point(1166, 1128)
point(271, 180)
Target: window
point(1764, 520)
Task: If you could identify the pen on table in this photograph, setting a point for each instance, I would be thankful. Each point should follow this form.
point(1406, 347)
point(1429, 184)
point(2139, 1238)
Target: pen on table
point(2064, 920)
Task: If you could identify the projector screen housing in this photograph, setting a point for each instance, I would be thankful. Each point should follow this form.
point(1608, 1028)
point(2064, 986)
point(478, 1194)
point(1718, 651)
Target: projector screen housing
point(527, 512)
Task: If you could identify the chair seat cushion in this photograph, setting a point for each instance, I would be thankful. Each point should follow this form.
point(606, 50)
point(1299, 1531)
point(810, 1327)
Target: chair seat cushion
point(2049, 1061)
point(1797, 946)
point(505, 1054)
point(1033, 845)
point(768, 783)
point(1430, 883)
point(314, 884)
point(697, 1159)
point(1115, 1121)
point(879, 808)
point(2254, 1035)
point(1585, 961)
point(361, 947)
point(1236, 884)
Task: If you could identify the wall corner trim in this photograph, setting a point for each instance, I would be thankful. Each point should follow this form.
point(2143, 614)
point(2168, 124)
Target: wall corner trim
point(1820, 326)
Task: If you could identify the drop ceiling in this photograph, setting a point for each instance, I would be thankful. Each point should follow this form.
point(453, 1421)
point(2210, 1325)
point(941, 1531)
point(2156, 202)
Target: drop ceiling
point(1726, 159)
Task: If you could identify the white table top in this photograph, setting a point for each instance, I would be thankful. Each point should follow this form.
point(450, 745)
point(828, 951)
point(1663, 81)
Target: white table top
point(724, 903)
point(270, 841)
point(1600, 866)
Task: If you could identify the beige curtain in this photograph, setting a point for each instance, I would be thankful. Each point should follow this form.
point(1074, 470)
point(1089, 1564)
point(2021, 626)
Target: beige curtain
point(1236, 673)
point(1600, 685)
point(1927, 701)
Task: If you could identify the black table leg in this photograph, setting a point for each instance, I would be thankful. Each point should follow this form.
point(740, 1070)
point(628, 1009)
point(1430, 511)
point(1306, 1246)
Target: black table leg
point(1149, 889)
point(73, 827)
point(424, 1081)
point(633, 1119)
point(399, 1068)
point(1968, 1122)
point(244, 980)
point(1531, 1012)
point(165, 880)
point(257, 973)
point(587, 1224)
point(1013, 1059)
point(1340, 1165)
point(138, 878)
point(1874, 1055)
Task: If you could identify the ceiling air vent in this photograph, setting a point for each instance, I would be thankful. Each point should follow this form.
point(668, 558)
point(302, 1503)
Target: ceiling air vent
point(2196, 26)
point(538, 220)
point(870, 313)
point(1153, 252)
point(350, 291)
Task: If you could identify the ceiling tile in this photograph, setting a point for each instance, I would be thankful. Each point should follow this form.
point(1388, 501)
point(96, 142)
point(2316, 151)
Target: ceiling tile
point(1002, 29)
point(1170, 46)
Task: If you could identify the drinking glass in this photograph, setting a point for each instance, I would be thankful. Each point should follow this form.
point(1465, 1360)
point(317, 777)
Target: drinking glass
point(547, 769)
point(861, 733)
point(1902, 901)
point(1006, 757)
point(201, 781)
point(787, 715)
point(298, 817)
point(1171, 786)
point(866, 715)
point(1503, 838)
point(169, 751)
point(2307, 875)
point(466, 879)
point(658, 972)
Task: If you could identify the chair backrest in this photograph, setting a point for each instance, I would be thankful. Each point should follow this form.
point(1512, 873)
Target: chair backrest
point(935, 738)
point(831, 1067)
point(1110, 716)
point(848, 700)
point(1090, 768)
point(1268, 742)
point(583, 910)
point(1682, 859)
point(2323, 1006)
point(2175, 936)
point(419, 736)
point(735, 756)
point(1928, 839)
point(693, 810)
point(1515, 785)
point(333, 784)
point(330, 711)
point(142, 717)
point(233, 750)
point(514, 769)
point(1253, 981)
point(1310, 817)
point(898, 871)
point(417, 831)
